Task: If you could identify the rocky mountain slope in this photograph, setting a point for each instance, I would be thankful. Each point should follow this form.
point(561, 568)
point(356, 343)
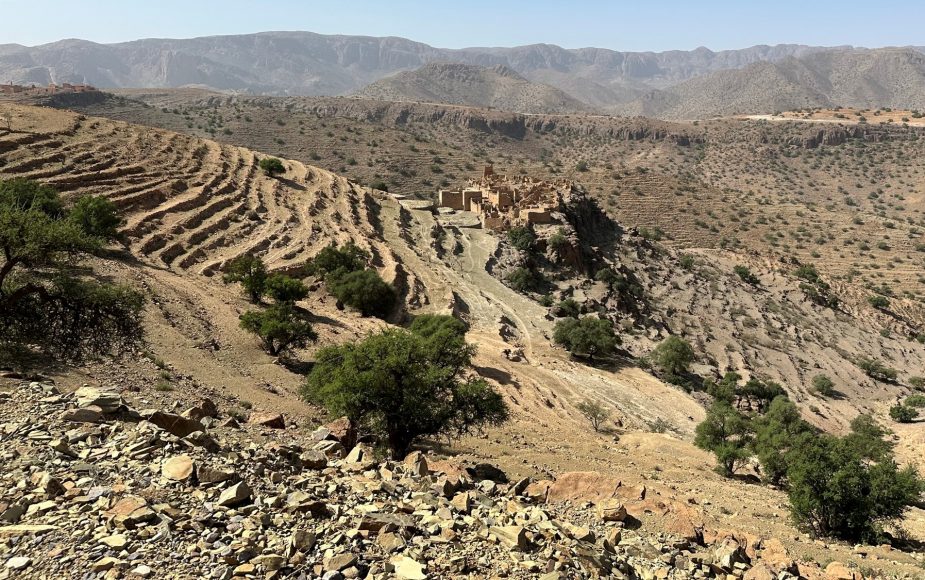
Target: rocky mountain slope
point(497, 87)
point(886, 78)
point(192, 204)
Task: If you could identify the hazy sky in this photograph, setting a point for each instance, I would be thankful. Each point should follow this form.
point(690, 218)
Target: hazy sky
point(621, 25)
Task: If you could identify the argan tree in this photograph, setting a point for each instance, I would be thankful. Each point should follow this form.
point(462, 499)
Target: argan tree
point(673, 355)
point(402, 386)
point(272, 166)
point(587, 336)
point(280, 327)
point(48, 298)
point(251, 272)
point(594, 412)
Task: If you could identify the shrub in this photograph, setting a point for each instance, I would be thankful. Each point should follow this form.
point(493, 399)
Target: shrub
point(879, 302)
point(726, 433)
point(686, 261)
point(272, 165)
point(877, 370)
point(402, 386)
point(364, 290)
point(673, 355)
point(823, 386)
point(280, 327)
point(251, 272)
point(44, 300)
point(868, 438)
point(558, 241)
point(594, 412)
point(581, 166)
point(283, 288)
point(903, 413)
point(746, 275)
point(915, 401)
point(587, 336)
point(568, 308)
point(521, 238)
point(525, 280)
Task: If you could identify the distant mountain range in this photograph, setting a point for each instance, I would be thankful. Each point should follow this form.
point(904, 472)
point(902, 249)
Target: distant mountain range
point(497, 87)
point(673, 84)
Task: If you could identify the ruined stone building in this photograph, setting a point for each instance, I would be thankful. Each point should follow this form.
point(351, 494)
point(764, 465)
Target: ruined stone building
point(503, 202)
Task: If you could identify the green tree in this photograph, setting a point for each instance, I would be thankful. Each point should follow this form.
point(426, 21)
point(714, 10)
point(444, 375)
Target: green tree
point(594, 412)
point(283, 288)
point(97, 216)
point(868, 438)
point(776, 432)
point(439, 327)
point(525, 280)
point(823, 386)
point(251, 272)
point(280, 327)
point(272, 165)
point(47, 297)
point(363, 290)
point(587, 336)
point(673, 355)
point(347, 258)
point(402, 386)
point(568, 308)
point(834, 492)
point(725, 432)
point(521, 237)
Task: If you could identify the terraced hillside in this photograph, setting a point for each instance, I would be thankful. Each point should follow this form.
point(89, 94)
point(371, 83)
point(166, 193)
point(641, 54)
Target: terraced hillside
point(192, 204)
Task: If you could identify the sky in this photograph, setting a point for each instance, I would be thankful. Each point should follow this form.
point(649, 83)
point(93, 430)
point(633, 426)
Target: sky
point(639, 25)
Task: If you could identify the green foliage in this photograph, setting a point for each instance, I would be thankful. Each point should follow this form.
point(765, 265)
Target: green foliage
point(525, 280)
point(364, 290)
point(686, 261)
point(283, 288)
point(587, 336)
point(726, 389)
point(726, 433)
point(594, 412)
point(746, 275)
point(903, 413)
point(628, 288)
point(97, 216)
point(917, 383)
point(776, 432)
point(251, 272)
point(877, 370)
point(823, 386)
point(280, 327)
point(915, 401)
point(834, 492)
point(581, 166)
point(401, 386)
point(330, 259)
point(522, 238)
point(45, 299)
point(271, 165)
point(568, 308)
point(761, 391)
point(879, 302)
point(868, 438)
point(673, 355)
point(558, 241)
point(439, 327)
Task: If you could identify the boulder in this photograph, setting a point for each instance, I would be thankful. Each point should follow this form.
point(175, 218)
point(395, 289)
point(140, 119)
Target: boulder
point(107, 401)
point(483, 471)
point(178, 468)
point(407, 568)
point(513, 537)
point(839, 571)
point(583, 486)
point(82, 415)
point(176, 425)
point(611, 510)
point(313, 459)
point(130, 511)
point(270, 420)
point(235, 495)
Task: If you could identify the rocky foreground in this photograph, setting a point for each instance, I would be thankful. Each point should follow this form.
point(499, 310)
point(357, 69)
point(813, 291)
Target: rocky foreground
point(90, 487)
